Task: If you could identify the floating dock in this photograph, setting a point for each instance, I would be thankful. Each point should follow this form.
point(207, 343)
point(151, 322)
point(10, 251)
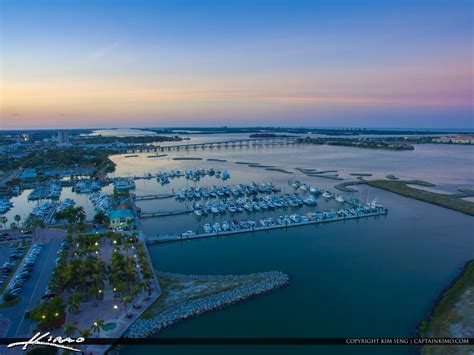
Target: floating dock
point(162, 213)
point(153, 197)
point(176, 238)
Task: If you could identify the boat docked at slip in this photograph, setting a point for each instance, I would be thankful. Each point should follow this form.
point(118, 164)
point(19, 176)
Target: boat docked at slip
point(310, 201)
point(207, 228)
point(327, 194)
point(68, 202)
point(123, 184)
point(314, 190)
point(5, 205)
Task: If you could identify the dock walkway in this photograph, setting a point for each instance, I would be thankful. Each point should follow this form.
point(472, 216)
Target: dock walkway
point(152, 197)
point(163, 213)
point(176, 238)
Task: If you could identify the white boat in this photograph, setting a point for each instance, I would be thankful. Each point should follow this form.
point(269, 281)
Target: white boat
point(207, 228)
point(327, 194)
point(216, 227)
point(340, 198)
point(314, 190)
point(225, 226)
point(188, 234)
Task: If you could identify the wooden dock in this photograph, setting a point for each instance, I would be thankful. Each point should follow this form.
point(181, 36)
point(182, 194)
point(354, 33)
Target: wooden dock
point(163, 213)
point(153, 197)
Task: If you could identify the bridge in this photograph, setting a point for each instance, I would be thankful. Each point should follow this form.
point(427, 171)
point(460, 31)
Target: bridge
point(251, 142)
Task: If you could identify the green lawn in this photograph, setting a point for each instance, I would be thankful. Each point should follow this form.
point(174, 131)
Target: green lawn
point(443, 200)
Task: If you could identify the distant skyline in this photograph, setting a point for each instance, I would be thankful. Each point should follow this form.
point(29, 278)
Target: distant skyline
point(80, 64)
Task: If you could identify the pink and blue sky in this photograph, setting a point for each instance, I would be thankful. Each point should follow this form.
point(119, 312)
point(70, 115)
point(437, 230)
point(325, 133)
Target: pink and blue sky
point(237, 63)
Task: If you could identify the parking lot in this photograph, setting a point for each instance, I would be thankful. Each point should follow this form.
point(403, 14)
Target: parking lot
point(34, 286)
point(10, 257)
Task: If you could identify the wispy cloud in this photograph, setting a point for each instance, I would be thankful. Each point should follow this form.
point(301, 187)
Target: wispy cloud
point(102, 52)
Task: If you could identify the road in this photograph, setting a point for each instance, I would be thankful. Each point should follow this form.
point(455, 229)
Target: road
point(35, 287)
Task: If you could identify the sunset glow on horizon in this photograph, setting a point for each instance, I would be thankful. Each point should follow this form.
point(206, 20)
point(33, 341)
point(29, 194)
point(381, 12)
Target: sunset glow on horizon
point(182, 63)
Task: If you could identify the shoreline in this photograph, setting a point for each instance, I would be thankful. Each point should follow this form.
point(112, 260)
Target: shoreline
point(270, 281)
point(442, 293)
point(401, 188)
point(451, 313)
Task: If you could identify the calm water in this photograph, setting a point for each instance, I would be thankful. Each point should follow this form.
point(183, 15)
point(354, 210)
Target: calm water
point(372, 277)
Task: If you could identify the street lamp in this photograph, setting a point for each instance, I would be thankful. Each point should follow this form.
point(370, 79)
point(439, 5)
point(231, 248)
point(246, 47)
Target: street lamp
point(116, 311)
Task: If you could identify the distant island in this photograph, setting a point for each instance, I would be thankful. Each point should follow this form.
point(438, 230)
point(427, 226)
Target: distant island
point(269, 135)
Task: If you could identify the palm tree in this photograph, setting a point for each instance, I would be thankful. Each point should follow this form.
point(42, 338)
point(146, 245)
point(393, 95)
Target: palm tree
point(69, 329)
point(74, 304)
point(17, 219)
point(85, 333)
point(97, 326)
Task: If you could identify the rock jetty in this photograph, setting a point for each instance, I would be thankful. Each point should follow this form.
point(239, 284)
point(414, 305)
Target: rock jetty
point(264, 282)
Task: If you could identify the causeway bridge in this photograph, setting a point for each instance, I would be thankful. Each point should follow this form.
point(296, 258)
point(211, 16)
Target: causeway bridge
point(251, 142)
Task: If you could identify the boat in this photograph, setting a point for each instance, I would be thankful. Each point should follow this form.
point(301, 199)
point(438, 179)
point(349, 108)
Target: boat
point(216, 227)
point(123, 184)
point(225, 226)
point(207, 228)
point(314, 190)
point(327, 194)
point(5, 205)
point(225, 175)
point(340, 198)
point(188, 234)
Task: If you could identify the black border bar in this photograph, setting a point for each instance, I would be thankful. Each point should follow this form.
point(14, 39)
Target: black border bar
point(263, 341)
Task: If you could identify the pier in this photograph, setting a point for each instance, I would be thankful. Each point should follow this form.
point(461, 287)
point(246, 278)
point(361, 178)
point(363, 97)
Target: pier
point(163, 213)
point(152, 197)
point(176, 238)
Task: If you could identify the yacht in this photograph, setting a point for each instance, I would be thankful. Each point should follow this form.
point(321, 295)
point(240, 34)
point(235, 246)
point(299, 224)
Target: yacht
point(5, 205)
point(327, 194)
point(225, 226)
point(207, 228)
point(216, 227)
point(314, 190)
point(188, 234)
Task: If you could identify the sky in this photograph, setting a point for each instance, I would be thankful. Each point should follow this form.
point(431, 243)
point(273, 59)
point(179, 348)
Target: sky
point(332, 63)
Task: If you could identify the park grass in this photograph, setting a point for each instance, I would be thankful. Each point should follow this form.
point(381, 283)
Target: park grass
point(443, 200)
point(454, 307)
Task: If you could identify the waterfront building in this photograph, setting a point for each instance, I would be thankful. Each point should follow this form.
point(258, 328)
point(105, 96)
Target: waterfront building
point(122, 219)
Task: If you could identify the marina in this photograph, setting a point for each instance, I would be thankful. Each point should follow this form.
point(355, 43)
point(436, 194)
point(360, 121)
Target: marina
point(228, 177)
point(46, 191)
